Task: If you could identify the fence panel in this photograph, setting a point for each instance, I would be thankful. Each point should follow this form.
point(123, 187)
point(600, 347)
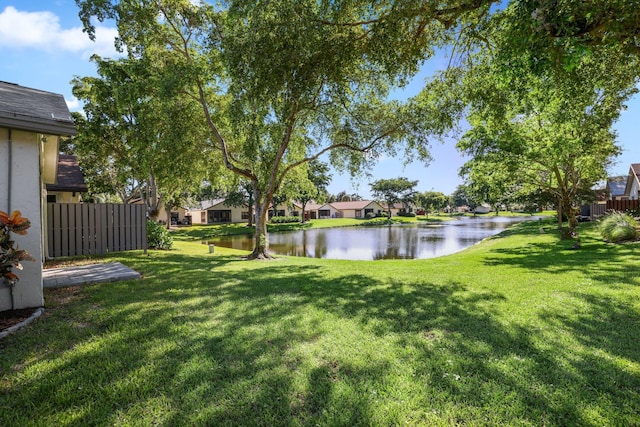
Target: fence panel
point(622, 205)
point(598, 210)
point(94, 229)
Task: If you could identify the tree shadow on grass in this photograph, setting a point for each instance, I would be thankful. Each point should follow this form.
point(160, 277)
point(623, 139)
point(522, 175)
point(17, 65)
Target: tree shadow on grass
point(607, 263)
point(224, 342)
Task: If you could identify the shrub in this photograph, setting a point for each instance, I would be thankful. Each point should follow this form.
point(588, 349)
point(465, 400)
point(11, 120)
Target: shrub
point(407, 214)
point(618, 227)
point(10, 255)
point(158, 237)
point(284, 219)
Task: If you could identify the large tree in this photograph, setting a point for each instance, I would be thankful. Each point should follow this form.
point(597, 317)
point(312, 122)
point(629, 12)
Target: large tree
point(281, 83)
point(136, 140)
point(431, 201)
point(312, 186)
point(394, 190)
point(546, 129)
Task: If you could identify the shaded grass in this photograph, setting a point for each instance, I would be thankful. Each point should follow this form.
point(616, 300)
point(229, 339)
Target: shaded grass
point(519, 330)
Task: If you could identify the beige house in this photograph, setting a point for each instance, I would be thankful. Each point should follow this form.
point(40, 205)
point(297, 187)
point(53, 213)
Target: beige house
point(352, 209)
point(31, 122)
point(396, 208)
point(69, 184)
point(218, 212)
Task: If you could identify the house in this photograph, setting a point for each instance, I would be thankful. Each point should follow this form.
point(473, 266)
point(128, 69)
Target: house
point(217, 211)
point(350, 209)
point(69, 183)
point(311, 210)
point(615, 187)
point(632, 187)
point(31, 123)
point(396, 208)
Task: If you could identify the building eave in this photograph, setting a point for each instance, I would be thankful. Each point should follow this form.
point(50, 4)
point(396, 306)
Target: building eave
point(33, 124)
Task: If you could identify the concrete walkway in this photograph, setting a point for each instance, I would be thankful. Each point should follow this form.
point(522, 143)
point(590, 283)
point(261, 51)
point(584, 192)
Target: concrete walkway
point(87, 274)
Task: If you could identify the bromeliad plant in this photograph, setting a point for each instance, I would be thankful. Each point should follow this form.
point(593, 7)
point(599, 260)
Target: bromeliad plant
point(11, 256)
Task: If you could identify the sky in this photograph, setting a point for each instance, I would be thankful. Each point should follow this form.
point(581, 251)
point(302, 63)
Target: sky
point(42, 46)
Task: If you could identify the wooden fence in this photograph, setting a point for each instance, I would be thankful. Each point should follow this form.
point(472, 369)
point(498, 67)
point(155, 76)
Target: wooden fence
point(94, 229)
point(622, 205)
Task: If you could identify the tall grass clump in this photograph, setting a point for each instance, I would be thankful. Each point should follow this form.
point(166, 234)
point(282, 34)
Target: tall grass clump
point(618, 227)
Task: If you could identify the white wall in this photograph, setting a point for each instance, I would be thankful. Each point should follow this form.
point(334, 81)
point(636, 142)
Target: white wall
point(23, 192)
point(635, 188)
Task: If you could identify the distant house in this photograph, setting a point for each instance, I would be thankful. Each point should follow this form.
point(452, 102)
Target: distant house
point(69, 184)
point(632, 187)
point(311, 210)
point(615, 187)
point(483, 209)
point(396, 208)
point(217, 212)
point(31, 123)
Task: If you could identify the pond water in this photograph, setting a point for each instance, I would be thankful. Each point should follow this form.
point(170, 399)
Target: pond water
point(410, 241)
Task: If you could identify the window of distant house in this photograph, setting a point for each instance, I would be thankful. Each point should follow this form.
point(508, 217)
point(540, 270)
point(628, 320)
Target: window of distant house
point(244, 215)
point(51, 198)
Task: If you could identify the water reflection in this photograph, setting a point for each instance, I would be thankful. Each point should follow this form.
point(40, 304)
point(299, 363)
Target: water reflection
point(415, 241)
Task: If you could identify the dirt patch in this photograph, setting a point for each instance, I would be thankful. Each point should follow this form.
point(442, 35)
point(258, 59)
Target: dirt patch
point(13, 317)
point(55, 299)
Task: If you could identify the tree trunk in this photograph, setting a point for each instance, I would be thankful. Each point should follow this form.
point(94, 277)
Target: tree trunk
point(250, 224)
point(559, 213)
point(261, 238)
point(304, 205)
point(168, 212)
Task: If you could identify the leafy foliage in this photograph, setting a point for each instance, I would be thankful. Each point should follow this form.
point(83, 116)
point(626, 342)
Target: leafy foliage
point(158, 237)
point(618, 227)
point(284, 82)
point(536, 127)
point(431, 201)
point(394, 190)
point(10, 256)
point(137, 139)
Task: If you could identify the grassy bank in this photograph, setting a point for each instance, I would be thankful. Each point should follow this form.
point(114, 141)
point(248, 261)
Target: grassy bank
point(519, 330)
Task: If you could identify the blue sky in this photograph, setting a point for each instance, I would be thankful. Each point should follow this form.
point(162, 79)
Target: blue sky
point(42, 46)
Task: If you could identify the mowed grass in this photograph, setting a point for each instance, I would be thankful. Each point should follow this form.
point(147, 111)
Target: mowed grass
point(518, 330)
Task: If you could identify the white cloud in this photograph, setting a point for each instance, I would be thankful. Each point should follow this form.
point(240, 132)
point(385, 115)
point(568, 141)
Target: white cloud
point(42, 31)
point(73, 104)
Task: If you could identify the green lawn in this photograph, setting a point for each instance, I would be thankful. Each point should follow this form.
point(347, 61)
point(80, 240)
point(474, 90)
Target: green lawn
point(519, 330)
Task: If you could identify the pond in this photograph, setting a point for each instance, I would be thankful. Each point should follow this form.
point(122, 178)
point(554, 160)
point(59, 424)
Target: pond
point(408, 241)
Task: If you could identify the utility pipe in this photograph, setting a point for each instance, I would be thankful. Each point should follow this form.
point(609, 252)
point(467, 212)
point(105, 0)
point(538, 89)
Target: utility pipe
point(9, 188)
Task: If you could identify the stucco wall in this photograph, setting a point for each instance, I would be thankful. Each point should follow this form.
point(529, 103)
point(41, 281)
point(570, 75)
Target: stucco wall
point(22, 191)
point(65, 196)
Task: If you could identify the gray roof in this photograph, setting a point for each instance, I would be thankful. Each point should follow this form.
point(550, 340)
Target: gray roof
point(207, 204)
point(34, 110)
point(69, 177)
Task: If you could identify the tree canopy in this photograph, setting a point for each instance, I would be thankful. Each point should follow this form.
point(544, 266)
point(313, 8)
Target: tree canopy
point(281, 83)
point(540, 118)
point(394, 190)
